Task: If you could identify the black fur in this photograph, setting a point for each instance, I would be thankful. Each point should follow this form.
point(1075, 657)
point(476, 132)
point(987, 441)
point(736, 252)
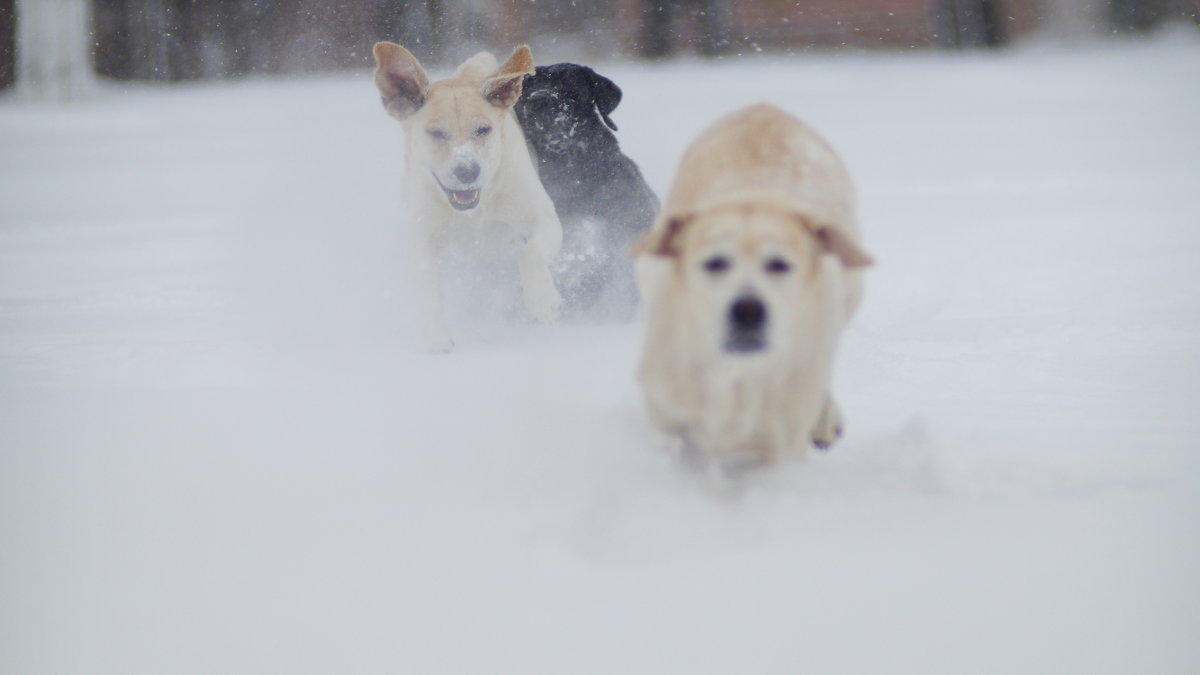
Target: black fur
point(600, 196)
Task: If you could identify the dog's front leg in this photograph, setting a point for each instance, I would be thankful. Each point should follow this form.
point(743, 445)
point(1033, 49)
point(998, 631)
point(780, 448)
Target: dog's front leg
point(829, 425)
point(435, 332)
point(542, 299)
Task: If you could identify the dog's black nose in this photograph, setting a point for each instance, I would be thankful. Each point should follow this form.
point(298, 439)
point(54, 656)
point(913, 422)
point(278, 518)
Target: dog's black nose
point(747, 313)
point(467, 173)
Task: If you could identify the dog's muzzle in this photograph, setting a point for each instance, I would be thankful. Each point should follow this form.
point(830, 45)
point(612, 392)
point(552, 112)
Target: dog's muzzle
point(460, 200)
point(747, 325)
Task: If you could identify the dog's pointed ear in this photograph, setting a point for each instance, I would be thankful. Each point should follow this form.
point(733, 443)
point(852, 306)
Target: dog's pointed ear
point(663, 241)
point(838, 242)
point(403, 83)
point(606, 94)
point(503, 87)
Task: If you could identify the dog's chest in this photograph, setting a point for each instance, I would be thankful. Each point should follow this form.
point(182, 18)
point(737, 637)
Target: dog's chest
point(480, 237)
point(748, 397)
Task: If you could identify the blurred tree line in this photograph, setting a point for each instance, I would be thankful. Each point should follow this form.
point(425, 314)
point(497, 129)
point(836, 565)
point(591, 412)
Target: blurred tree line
point(189, 39)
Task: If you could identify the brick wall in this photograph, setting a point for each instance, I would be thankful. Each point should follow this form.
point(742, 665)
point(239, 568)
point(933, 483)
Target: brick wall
point(800, 24)
point(183, 39)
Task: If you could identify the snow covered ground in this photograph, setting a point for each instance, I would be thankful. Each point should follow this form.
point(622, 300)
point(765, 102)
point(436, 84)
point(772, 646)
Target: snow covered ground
point(219, 454)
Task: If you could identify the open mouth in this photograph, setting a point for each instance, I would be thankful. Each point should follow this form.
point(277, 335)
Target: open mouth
point(461, 200)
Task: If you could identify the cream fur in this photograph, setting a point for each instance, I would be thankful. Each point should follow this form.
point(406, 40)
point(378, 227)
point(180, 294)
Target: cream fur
point(757, 186)
point(467, 119)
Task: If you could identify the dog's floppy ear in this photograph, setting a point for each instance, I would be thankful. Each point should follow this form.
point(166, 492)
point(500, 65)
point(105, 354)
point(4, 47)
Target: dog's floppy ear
point(403, 83)
point(503, 87)
point(663, 241)
point(606, 94)
point(838, 242)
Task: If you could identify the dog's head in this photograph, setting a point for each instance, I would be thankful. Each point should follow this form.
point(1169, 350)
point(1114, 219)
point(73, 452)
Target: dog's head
point(566, 106)
point(752, 278)
point(455, 126)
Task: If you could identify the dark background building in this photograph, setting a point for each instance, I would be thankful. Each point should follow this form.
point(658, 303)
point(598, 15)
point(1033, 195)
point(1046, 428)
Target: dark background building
point(190, 39)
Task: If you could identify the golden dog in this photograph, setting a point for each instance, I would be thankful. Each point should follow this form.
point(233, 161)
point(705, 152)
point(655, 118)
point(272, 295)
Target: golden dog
point(749, 274)
point(470, 184)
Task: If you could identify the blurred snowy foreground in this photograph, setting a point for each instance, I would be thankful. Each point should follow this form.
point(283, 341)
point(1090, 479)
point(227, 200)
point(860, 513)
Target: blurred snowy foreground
point(219, 452)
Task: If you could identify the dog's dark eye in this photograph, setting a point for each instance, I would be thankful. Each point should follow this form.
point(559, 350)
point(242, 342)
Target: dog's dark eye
point(716, 264)
point(482, 131)
point(438, 134)
point(777, 266)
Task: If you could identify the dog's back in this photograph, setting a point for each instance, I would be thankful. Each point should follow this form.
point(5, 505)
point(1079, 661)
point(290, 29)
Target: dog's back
point(764, 151)
point(764, 154)
point(473, 70)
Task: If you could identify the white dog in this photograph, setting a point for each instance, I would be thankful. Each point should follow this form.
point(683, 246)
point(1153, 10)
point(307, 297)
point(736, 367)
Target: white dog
point(750, 273)
point(470, 185)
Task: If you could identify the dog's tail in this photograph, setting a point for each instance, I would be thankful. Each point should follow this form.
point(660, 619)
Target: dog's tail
point(477, 67)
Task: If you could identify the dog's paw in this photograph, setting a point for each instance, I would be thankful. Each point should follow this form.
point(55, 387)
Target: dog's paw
point(824, 442)
point(544, 304)
point(445, 346)
point(829, 426)
point(436, 342)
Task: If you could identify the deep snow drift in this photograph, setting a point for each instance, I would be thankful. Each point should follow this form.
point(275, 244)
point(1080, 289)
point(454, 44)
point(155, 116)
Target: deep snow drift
point(218, 453)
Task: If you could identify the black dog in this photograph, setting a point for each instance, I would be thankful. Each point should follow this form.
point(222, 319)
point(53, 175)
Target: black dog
point(601, 198)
